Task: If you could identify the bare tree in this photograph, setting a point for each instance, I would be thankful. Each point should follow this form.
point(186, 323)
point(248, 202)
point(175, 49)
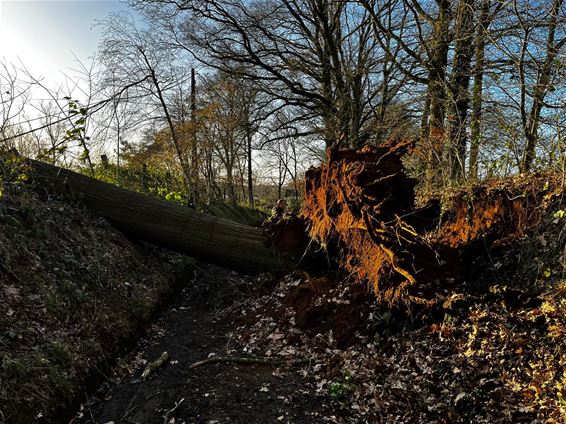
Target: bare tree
point(545, 73)
point(423, 34)
point(131, 55)
point(315, 56)
point(481, 39)
point(14, 96)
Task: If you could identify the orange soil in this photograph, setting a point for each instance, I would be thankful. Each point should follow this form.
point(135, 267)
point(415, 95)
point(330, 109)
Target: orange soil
point(362, 202)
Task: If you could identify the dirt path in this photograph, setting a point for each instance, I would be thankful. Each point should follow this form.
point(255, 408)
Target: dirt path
point(470, 361)
point(215, 393)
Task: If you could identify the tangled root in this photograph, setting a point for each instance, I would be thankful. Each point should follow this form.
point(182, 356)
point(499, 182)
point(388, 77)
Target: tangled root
point(363, 204)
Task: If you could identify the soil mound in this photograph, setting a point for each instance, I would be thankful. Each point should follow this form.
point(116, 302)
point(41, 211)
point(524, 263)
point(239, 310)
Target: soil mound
point(360, 205)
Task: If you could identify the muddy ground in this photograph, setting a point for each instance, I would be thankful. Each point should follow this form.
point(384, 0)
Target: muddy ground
point(331, 354)
point(195, 328)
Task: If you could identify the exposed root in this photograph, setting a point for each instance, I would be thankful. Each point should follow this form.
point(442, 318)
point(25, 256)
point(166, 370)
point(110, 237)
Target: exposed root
point(355, 200)
point(362, 205)
point(498, 210)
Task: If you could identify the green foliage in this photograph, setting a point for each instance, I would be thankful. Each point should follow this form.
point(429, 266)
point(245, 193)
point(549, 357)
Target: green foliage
point(237, 213)
point(342, 389)
point(174, 196)
point(168, 186)
point(149, 180)
point(77, 131)
point(546, 272)
point(13, 172)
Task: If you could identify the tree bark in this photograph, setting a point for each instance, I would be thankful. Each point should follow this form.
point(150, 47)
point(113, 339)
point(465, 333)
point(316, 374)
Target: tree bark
point(459, 86)
point(439, 45)
point(166, 224)
point(249, 158)
point(194, 148)
point(477, 91)
point(545, 73)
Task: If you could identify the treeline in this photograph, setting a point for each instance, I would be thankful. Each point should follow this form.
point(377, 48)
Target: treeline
point(230, 93)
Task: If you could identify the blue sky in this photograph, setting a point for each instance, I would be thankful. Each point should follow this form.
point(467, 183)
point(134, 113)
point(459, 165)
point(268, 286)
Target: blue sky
point(44, 34)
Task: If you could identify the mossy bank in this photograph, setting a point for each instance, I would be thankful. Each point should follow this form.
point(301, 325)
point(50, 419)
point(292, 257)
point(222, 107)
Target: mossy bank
point(74, 292)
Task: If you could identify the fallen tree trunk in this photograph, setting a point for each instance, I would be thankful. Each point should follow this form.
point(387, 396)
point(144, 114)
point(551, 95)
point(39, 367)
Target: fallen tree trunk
point(166, 224)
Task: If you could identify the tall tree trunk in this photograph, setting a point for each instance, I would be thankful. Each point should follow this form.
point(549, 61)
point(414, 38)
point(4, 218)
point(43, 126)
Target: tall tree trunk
point(249, 157)
point(230, 181)
point(477, 93)
point(439, 43)
point(194, 148)
point(542, 85)
point(118, 139)
point(425, 129)
point(459, 86)
point(384, 101)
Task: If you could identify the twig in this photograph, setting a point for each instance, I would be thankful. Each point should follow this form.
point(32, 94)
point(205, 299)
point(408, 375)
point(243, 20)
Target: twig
point(249, 360)
point(153, 366)
point(169, 412)
point(131, 406)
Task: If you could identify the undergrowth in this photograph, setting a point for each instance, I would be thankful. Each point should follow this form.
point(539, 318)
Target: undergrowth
point(73, 292)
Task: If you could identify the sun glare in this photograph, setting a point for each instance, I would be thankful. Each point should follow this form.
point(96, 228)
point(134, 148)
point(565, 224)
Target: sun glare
point(18, 48)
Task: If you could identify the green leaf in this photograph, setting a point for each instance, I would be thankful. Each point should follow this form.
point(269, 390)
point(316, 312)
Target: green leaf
point(559, 214)
point(546, 273)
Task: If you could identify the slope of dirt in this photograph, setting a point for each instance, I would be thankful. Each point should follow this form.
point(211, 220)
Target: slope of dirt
point(73, 293)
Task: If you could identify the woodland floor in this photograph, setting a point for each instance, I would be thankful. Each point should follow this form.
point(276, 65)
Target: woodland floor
point(492, 356)
point(193, 329)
